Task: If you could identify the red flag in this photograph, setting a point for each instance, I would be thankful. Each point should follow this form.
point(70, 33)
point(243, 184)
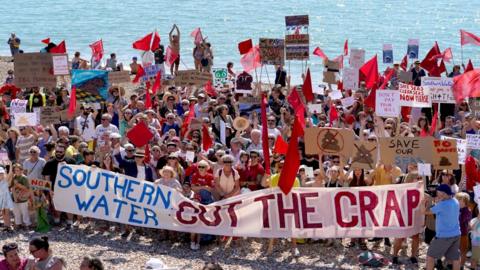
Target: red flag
point(197, 35)
point(280, 146)
point(97, 50)
point(429, 63)
point(469, 66)
point(371, 99)
point(157, 83)
point(209, 89)
point(188, 119)
point(332, 114)
point(467, 85)
point(146, 159)
point(155, 42)
point(339, 60)
point(139, 135)
point(206, 139)
point(143, 43)
point(447, 55)
point(140, 74)
point(345, 47)
point(251, 60)
point(292, 159)
point(442, 68)
point(245, 46)
point(265, 146)
point(170, 56)
point(46, 41)
point(389, 73)
point(370, 71)
point(340, 86)
point(148, 98)
point(434, 122)
point(318, 52)
point(404, 63)
point(73, 101)
point(60, 48)
point(468, 38)
point(307, 87)
point(297, 104)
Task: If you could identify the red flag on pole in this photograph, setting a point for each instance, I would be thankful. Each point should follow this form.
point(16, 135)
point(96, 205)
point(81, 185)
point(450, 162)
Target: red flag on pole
point(188, 119)
point(73, 101)
point(429, 63)
point(197, 35)
point(245, 46)
point(206, 139)
point(281, 146)
point(170, 56)
point(265, 146)
point(404, 63)
point(298, 107)
point(140, 74)
point(389, 73)
point(371, 99)
point(156, 41)
point(345, 48)
point(447, 55)
point(434, 123)
point(60, 48)
point(307, 87)
point(318, 52)
point(469, 66)
point(468, 38)
point(143, 43)
point(46, 41)
point(146, 159)
point(148, 98)
point(157, 83)
point(467, 85)
point(332, 114)
point(209, 89)
point(292, 159)
point(370, 71)
point(97, 50)
point(251, 60)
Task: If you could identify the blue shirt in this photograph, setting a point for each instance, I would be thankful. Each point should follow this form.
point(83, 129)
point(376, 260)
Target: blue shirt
point(447, 221)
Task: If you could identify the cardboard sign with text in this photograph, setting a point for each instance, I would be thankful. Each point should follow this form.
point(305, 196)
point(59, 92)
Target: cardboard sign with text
point(49, 115)
point(296, 20)
point(350, 78)
point(192, 77)
point(39, 184)
point(357, 58)
point(461, 148)
point(445, 155)
point(272, 51)
point(25, 119)
point(404, 150)
point(118, 77)
point(34, 70)
point(365, 155)
point(297, 47)
point(387, 103)
point(329, 141)
point(405, 76)
point(414, 96)
point(60, 64)
point(441, 89)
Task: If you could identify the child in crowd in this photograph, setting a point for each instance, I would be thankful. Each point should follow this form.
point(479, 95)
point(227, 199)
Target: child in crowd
point(40, 206)
point(465, 217)
point(474, 225)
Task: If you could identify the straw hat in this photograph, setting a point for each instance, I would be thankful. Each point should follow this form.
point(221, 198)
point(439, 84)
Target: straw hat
point(241, 123)
point(169, 94)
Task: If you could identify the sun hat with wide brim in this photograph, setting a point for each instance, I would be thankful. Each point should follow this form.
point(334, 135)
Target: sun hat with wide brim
point(169, 94)
point(241, 123)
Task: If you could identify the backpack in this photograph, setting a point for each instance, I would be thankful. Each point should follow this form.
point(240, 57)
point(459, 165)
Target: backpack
point(370, 259)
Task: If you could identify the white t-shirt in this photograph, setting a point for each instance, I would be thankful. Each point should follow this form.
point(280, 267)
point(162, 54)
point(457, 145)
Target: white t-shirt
point(227, 183)
point(85, 127)
point(274, 131)
point(475, 231)
point(100, 130)
point(141, 172)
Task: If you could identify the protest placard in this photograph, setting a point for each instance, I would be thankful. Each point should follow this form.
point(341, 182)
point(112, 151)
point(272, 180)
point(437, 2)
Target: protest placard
point(25, 119)
point(441, 89)
point(387, 103)
point(192, 77)
point(297, 20)
point(473, 141)
point(219, 77)
point(414, 96)
point(461, 148)
point(405, 76)
point(335, 94)
point(315, 108)
point(357, 58)
point(60, 64)
point(272, 51)
point(119, 77)
point(329, 141)
point(474, 104)
point(34, 70)
point(412, 48)
point(347, 102)
point(365, 155)
point(297, 47)
point(317, 212)
point(350, 78)
point(445, 154)
point(151, 72)
point(424, 169)
point(387, 53)
point(39, 184)
point(49, 115)
point(402, 151)
point(330, 77)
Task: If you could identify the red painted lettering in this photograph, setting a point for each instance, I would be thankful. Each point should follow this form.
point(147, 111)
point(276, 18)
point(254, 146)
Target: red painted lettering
point(232, 214)
point(338, 209)
point(181, 208)
point(413, 200)
point(391, 205)
point(264, 200)
point(306, 210)
point(367, 207)
point(282, 211)
point(216, 215)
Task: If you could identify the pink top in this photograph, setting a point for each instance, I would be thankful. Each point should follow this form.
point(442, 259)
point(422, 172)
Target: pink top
point(4, 265)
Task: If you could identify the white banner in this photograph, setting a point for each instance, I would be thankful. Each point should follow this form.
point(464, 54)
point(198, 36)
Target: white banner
point(440, 89)
point(374, 211)
point(350, 78)
point(414, 96)
point(473, 141)
point(387, 103)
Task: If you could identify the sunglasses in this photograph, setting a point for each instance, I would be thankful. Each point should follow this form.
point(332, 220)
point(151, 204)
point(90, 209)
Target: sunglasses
point(104, 119)
point(33, 152)
point(130, 150)
point(228, 162)
point(202, 167)
point(253, 156)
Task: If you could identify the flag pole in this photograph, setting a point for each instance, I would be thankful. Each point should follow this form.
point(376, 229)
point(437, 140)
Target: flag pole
point(461, 52)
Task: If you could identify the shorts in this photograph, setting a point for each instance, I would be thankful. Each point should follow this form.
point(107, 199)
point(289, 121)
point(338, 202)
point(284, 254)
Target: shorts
point(429, 235)
point(476, 253)
point(448, 247)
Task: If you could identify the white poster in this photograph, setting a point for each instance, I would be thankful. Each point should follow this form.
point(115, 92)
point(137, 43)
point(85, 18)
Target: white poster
point(350, 78)
point(25, 119)
point(461, 148)
point(473, 141)
point(60, 64)
point(357, 58)
point(414, 96)
point(387, 103)
point(441, 89)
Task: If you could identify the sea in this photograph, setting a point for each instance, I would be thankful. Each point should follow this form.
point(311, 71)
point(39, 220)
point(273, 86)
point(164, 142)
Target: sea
point(366, 24)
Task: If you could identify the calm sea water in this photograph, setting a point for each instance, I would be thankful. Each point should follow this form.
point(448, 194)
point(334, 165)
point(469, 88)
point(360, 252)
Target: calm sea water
point(367, 24)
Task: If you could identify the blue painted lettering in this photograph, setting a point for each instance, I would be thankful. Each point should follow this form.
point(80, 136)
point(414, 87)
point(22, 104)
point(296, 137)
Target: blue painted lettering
point(102, 202)
point(84, 205)
point(65, 181)
point(133, 213)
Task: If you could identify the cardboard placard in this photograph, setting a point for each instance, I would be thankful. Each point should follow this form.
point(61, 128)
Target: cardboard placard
point(474, 104)
point(387, 103)
point(39, 184)
point(192, 77)
point(441, 89)
point(49, 115)
point(365, 155)
point(332, 66)
point(357, 58)
point(445, 154)
point(296, 20)
point(414, 96)
point(405, 76)
point(404, 150)
point(60, 64)
point(330, 77)
point(297, 47)
point(34, 70)
point(347, 102)
point(272, 51)
point(461, 148)
point(118, 77)
point(25, 119)
point(350, 78)
point(151, 72)
point(329, 141)
point(473, 141)
point(315, 108)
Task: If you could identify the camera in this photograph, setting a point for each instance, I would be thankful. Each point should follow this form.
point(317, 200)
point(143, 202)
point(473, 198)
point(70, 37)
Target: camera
point(431, 190)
